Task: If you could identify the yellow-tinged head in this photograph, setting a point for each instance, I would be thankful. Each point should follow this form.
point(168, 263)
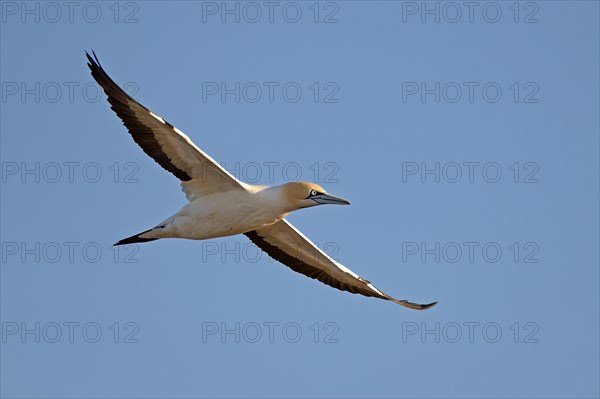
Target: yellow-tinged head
point(304, 195)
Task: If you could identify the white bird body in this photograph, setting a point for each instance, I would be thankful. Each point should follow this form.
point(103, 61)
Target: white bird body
point(224, 214)
point(220, 205)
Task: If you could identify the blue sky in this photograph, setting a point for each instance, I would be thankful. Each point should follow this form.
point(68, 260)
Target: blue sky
point(466, 138)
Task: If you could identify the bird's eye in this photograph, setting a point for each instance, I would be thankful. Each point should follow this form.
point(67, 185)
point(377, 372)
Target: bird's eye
point(313, 192)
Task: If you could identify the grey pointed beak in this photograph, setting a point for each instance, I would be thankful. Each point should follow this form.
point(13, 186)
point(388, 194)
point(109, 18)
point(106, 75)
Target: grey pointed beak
point(329, 199)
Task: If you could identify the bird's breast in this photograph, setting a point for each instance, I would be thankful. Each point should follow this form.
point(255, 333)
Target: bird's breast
point(225, 214)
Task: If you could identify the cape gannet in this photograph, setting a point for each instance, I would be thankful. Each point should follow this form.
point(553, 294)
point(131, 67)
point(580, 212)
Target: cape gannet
point(221, 205)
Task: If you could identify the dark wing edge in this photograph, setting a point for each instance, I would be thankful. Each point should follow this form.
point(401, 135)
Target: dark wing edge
point(321, 275)
point(142, 134)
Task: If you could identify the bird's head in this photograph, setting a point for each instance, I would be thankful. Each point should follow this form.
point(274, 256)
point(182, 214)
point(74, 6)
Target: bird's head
point(303, 195)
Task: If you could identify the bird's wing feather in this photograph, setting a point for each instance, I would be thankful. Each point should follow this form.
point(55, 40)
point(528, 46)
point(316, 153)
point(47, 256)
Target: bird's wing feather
point(286, 244)
point(167, 145)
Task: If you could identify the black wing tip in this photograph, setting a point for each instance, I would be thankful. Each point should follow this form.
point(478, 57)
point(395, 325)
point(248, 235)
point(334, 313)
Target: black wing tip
point(135, 239)
point(92, 62)
point(416, 306)
point(429, 305)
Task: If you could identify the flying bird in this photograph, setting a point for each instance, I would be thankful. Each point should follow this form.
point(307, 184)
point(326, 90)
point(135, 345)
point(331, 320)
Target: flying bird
point(220, 205)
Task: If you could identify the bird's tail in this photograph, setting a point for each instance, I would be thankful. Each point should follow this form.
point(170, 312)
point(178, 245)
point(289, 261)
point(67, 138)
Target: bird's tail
point(136, 238)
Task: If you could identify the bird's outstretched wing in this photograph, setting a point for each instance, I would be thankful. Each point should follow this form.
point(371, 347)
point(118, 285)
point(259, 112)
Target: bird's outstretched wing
point(284, 243)
point(167, 145)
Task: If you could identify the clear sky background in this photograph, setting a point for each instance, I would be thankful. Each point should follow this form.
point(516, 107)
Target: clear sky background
point(503, 230)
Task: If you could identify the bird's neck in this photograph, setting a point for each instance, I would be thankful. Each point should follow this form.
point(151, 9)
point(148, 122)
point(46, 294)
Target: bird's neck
point(276, 199)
